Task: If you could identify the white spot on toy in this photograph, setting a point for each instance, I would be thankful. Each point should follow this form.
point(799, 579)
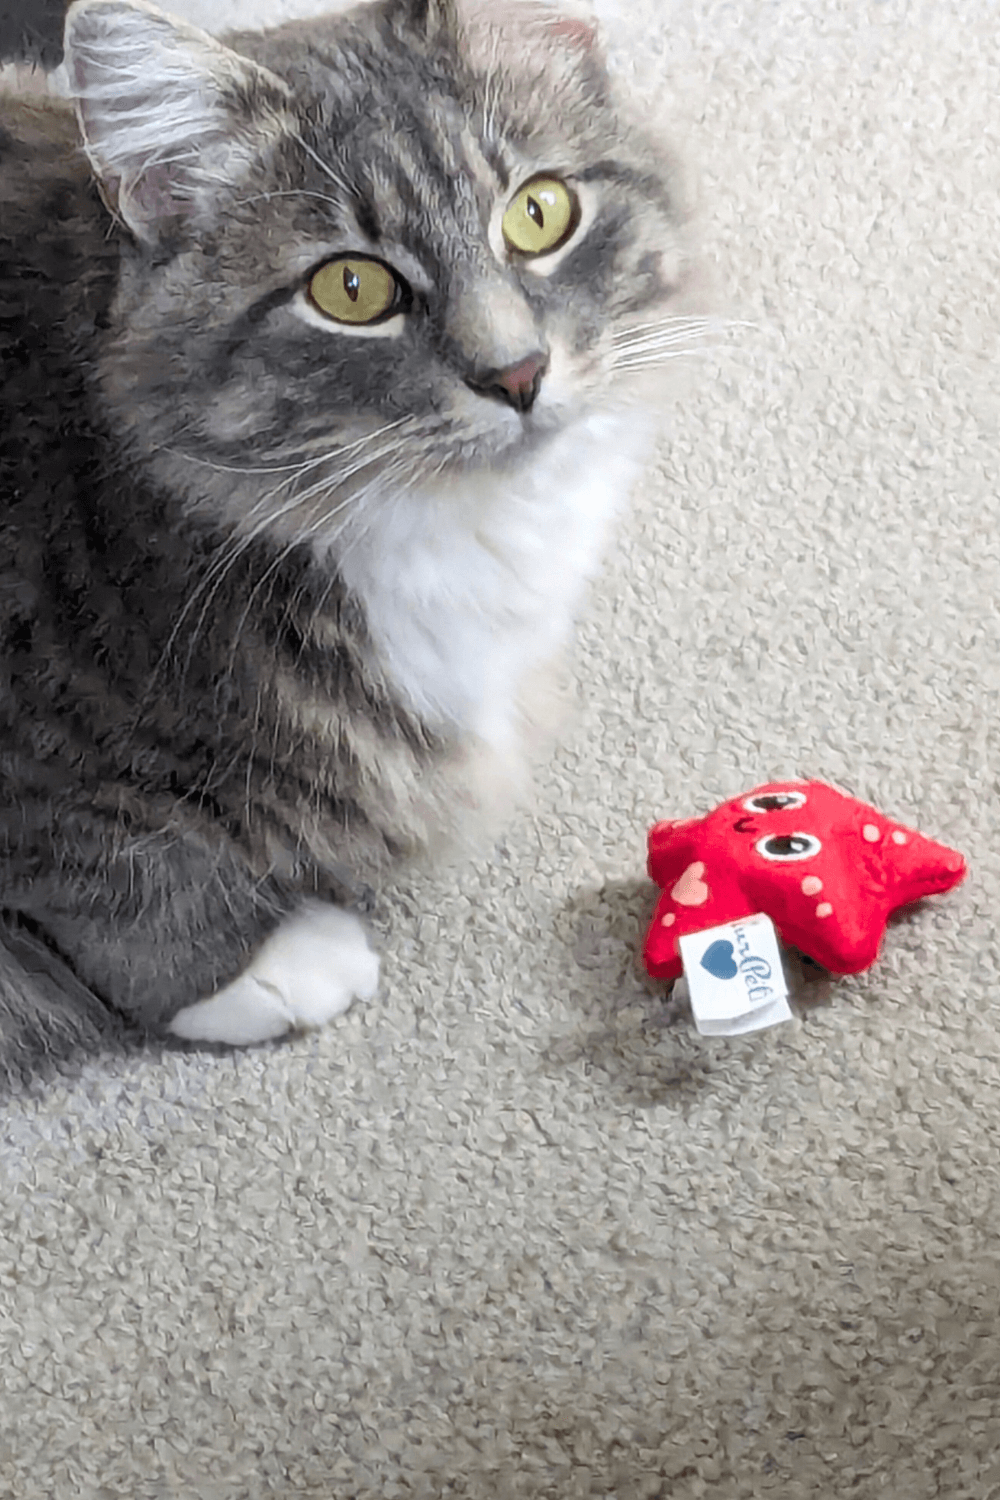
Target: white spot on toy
point(691, 889)
point(871, 833)
point(812, 885)
point(824, 909)
point(899, 837)
point(669, 919)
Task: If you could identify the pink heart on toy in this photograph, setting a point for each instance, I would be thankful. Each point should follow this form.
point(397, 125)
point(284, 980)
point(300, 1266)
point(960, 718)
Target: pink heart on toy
point(691, 890)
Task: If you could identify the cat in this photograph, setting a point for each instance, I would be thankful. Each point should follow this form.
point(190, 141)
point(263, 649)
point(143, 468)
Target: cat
point(327, 357)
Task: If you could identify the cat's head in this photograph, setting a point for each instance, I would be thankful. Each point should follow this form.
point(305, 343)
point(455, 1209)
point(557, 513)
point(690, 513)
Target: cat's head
point(411, 239)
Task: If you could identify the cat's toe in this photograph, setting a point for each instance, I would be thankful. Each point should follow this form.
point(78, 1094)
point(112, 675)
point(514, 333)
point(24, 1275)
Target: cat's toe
point(320, 962)
point(245, 1012)
point(307, 972)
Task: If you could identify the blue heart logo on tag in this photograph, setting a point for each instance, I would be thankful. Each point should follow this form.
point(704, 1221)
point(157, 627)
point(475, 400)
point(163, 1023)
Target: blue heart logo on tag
point(718, 959)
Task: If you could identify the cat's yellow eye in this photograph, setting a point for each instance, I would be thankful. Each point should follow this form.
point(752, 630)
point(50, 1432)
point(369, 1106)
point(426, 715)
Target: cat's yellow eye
point(353, 289)
point(541, 217)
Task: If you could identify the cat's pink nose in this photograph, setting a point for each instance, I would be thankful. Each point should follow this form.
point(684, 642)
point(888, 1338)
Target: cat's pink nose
point(517, 384)
point(521, 382)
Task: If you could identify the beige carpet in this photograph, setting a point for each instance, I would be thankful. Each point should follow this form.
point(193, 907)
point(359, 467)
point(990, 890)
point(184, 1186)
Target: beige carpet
point(516, 1232)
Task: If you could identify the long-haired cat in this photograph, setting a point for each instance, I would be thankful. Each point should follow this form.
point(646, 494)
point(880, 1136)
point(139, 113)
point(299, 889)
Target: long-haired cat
point(325, 358)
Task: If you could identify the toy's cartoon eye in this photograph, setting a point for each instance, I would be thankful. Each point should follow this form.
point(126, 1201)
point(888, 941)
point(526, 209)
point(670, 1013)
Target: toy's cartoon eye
point(773, 801)
point(786, 847)
point(541, 217)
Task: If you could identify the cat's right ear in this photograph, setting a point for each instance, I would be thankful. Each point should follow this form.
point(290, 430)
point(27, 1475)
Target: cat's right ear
point(167, 113)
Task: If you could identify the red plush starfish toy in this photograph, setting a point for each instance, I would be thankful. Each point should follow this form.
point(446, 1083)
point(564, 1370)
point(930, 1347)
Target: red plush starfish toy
point(828, 870)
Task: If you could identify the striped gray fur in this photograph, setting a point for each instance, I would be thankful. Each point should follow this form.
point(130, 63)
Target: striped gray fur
point(199, 721)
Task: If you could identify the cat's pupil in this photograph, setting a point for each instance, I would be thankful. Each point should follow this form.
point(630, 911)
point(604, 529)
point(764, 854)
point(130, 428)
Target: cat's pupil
point(352, 283)
point(534, 211)
point(774, 802)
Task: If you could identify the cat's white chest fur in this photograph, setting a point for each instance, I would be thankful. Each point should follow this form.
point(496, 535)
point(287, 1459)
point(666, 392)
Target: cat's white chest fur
point(471, 584)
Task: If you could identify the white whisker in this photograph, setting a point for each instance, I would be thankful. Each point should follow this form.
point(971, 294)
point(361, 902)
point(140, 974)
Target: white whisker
point(303, 537)
point(665, 325)
point(300, 465)
point(210, 583)
point(332, 482)
point(323, 166)
point(665, 341)
point(208, 463)
point(647, 361)
point(292, 193)
point(667, 331)
point(400, 475)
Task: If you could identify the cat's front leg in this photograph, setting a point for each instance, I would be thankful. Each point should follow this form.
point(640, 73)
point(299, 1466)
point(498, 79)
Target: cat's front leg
point(304, 974)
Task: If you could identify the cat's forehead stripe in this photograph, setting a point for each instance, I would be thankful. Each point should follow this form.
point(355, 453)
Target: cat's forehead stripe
point(493, 157)
point(421, 190)
point(434, 148)
point(366, 214)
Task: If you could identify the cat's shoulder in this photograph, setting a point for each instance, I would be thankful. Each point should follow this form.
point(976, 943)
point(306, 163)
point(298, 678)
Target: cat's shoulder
point(58, 247)
point(34, 122)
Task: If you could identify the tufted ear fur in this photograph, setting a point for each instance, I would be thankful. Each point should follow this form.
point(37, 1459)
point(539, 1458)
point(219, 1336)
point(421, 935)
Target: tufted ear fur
point(167, 113)
point(570, 23)
point(553, 45)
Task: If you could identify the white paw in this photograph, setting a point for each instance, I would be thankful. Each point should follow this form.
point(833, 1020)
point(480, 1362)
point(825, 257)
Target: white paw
point(306, 973)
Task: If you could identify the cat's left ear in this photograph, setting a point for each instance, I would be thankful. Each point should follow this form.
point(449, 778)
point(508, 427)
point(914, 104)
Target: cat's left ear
point(433, 18)
point(572, 22)
point(167, 113)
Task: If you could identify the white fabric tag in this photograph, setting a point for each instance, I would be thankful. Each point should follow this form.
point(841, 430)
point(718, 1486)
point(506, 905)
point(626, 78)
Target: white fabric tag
point(734, 977)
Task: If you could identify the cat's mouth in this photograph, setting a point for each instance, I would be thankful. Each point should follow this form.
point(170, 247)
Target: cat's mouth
point(507, 444)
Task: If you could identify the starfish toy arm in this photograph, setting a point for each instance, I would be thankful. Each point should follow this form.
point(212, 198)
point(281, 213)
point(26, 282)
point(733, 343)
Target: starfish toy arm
point(689, 903)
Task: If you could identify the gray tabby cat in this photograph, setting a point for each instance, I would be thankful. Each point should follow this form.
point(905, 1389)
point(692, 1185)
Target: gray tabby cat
point(323, 369)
